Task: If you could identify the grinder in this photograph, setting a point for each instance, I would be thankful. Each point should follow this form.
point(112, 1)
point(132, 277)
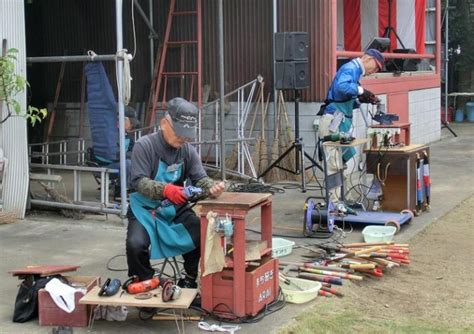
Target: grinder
point(170, 290)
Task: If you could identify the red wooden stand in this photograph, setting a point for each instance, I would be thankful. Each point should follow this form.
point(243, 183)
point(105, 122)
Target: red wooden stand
point(244, 289)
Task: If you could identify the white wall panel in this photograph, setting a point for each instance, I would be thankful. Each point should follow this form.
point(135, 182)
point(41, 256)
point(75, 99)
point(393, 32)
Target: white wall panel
point(13, 135)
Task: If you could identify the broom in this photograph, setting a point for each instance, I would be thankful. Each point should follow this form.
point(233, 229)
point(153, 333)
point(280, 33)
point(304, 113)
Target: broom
point(274, 173)
point(263, 150)
point(256, 156)
point(61, 198)
point(7, 217)
point(286, 139)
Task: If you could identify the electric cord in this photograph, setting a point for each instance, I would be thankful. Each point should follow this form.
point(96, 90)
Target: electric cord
point(254, 186)
point(270, 308)
point(134, 30)
point(153, 265)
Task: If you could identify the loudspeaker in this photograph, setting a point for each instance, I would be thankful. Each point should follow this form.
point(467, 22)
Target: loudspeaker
point(291, 46)
point(291, 75)
point(403, 64)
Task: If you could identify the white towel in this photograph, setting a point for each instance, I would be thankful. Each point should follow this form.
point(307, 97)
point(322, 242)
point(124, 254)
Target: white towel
point(62, 294)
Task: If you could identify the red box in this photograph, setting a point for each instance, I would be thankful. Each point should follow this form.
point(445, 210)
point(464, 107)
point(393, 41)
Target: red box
point(52, 315)
point(261, 288)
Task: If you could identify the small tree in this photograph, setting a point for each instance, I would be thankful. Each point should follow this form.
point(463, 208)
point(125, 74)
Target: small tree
point(11, 84)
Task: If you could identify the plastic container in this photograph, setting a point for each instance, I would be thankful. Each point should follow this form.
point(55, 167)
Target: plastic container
point(470, 111)
point(375, 233)
point(281, 247)
point(296, 296)
point(459, 116)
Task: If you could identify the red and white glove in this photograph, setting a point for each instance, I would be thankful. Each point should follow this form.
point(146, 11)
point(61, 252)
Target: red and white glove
point(175, 194)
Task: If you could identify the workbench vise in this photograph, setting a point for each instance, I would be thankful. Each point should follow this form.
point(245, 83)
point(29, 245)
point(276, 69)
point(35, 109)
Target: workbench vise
point(382, 117)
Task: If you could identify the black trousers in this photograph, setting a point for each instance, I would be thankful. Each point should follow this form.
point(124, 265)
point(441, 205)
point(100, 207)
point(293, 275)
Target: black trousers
point(138, 244)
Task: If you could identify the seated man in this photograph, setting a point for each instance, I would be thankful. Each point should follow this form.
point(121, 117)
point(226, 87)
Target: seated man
point(161, 162)
point(129, 143)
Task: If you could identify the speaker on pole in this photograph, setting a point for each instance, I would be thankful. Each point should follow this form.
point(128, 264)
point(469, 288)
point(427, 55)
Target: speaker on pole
point(291, 60)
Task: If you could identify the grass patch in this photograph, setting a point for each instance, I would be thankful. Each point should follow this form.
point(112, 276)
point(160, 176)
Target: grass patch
point(353, 322)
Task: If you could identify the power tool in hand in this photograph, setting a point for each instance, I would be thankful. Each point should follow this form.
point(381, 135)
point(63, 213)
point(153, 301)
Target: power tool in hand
point(193, 194)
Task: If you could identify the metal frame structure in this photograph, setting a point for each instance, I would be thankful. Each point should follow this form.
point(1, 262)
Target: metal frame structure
point(104, 206)
point(119, 61)
point(118, 58)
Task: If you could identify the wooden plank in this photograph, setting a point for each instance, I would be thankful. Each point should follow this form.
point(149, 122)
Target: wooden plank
point(183, 302)
point(405, 149)
point(43, 270)
point(45, 177)
point(236, 200)
point(355, 142)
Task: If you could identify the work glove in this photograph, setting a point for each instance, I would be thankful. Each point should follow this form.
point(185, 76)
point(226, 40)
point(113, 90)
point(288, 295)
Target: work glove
point(175, 194)
point(368, 97)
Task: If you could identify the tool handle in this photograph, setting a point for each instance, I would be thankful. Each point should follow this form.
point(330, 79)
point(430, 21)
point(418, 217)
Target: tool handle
point(367, 244)
point(324, 293)
point(333, 291)
point(368, 250)
point(359, 266)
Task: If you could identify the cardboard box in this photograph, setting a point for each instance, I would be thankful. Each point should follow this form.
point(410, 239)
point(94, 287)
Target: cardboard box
point(51, 315)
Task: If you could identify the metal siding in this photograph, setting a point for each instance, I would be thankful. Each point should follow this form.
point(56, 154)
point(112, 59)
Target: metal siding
point(13, 131)
point(314, 17)
point(247, 39)
point(58, 27)
point(72, 27)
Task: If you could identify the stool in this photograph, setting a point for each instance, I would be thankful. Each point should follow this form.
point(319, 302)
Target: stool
point(237, 206)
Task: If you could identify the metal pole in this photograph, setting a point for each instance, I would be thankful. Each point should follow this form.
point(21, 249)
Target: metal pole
point(446, 60)
point(152, 42)
point(148, 22)
point(65, 59)
point(121, 111)
point(275, 29)
point(221, 85)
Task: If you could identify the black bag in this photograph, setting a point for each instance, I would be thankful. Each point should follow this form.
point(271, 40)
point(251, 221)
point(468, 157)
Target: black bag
point(26, 303)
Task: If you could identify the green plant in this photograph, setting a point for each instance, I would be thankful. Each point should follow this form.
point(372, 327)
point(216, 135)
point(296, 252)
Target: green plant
point(11, 84)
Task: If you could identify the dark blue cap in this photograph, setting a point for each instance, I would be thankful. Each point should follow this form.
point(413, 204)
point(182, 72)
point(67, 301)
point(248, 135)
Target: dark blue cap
point(377, 55)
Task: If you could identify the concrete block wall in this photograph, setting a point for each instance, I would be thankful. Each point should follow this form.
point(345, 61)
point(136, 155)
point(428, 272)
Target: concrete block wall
point(424, 115)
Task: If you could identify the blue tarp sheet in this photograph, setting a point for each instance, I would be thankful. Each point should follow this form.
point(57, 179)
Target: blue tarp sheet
point(102, 111)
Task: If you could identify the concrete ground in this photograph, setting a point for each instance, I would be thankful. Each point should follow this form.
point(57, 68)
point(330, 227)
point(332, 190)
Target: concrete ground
point(49, 239)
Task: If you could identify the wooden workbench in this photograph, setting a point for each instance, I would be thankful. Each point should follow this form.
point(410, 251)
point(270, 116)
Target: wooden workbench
point(183, 302)
point(399, 192)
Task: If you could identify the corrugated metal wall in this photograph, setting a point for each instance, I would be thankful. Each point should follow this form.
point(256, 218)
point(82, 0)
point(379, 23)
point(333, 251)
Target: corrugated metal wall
point(313, 16)
point(56, 27)
point(248, 40)
point(13, 132)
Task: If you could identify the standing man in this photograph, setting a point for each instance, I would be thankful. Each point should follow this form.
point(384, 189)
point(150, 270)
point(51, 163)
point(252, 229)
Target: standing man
point(161, 163)
point(345, 95)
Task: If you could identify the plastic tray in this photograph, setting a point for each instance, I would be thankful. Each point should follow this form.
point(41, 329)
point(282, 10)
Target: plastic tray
point(376, 233)
point(297, 296)
point(282, 247)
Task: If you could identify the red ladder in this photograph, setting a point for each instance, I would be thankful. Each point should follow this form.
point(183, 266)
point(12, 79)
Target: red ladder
point(161, 84)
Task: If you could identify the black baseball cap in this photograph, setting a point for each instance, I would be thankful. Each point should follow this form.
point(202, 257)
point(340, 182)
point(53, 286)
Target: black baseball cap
point(184, 116)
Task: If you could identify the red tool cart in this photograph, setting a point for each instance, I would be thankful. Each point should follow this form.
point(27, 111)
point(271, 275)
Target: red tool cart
point(242, 288)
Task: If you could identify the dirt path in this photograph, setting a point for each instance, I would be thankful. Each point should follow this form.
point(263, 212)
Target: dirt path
point(434, 294)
